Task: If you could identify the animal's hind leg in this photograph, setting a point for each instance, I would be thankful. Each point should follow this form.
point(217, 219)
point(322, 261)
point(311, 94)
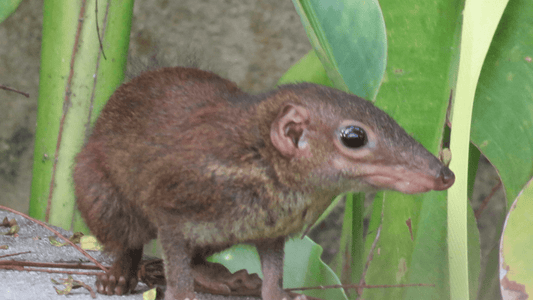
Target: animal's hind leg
point(122, 277)
point(119, 225)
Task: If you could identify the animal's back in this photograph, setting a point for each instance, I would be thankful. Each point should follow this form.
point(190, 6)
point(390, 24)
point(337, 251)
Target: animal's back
point(167, 96)
point(139, 136)
point(158, 121)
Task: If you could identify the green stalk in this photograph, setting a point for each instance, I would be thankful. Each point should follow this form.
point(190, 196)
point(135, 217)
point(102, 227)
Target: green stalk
point(358, 245)
point(479, 24)
point(75, 82)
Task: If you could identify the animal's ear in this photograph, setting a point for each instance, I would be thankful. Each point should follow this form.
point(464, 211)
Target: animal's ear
point(288, 131)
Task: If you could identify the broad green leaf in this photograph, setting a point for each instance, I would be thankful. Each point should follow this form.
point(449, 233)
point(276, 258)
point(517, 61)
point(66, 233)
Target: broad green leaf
point(489, 287)
point(349, 38)
point(503, 111)
point(239, 257)
point(428, 261)
point(422, 41)
point(489, 275)
point(502, 126)
point(425, 261)
point(7, 7)
point(307, 69)
point(303, 266)
point(516, 249)
point(423, 48)
point(302, 256)
point(391, 263)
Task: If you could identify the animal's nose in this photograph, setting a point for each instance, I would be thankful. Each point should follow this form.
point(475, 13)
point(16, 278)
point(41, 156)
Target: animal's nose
point(447, 177)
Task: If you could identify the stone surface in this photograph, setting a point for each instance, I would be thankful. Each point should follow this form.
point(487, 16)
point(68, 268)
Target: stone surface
point(24, 285)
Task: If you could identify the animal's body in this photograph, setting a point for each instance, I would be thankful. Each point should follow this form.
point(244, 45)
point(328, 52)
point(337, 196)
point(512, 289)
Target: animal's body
point(184, 155)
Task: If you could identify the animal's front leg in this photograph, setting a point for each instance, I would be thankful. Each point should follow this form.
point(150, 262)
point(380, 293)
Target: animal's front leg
point(271, 253)
point(177, 260)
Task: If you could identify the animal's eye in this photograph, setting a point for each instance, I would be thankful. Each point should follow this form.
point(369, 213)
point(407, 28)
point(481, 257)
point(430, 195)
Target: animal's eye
point(353, 137)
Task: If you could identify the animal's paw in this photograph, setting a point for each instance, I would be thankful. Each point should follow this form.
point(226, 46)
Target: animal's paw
point(110, 284)
point(241, 280)
point(216, 279)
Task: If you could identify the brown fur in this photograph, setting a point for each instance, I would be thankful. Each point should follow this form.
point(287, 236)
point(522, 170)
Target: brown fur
point(183, 154)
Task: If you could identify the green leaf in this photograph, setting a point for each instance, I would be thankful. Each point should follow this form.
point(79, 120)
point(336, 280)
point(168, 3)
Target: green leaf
point(7, 7)
point(489, 287)
point(239, 257)
point(502, 126)
point(411, 248)
point(348, 263)
point(393, 256)
point(303, 266)
point(428, 259)
point(422, 39)
point(516, 253)
point(302, 256)
point(150, 294)
point(89, 242)
point(54, 242)
point(307, 69)
point(349, 38)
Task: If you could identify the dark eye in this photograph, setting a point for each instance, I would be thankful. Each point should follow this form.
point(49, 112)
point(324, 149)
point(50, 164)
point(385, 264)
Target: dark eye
point(353, 137)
